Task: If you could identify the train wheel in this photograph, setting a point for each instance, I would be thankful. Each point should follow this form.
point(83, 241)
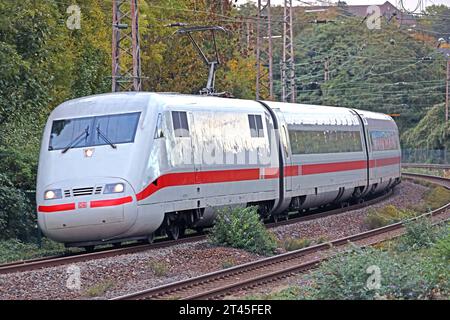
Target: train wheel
point(89, 248)
point(173, 232)
point(117, 244)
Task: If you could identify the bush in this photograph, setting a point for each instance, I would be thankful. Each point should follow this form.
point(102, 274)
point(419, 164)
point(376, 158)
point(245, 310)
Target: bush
point(348, 277)
point(289, 293)
point(159, 268)
point(17, 219)
point(100, 288)
point(228, 263)
point(437, 197)
point(242, 229)
point(441, 250)
point(387, 215)
point(15, 250)
point(419, 234)
point(296, 244)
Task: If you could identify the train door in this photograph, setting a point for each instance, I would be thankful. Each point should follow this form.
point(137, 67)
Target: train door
point(286, 151)
point(197, 155)
point(182, 154)
point(371, 172)
point(366, 145)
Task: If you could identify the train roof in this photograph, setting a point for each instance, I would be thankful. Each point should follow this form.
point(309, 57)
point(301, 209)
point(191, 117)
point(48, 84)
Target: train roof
point(132, 101)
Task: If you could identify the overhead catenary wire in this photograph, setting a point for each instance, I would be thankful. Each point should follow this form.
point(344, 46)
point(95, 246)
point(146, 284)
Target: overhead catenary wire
point(241, 19)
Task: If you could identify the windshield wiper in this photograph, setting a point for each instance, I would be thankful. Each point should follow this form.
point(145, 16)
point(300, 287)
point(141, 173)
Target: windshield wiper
point(85, 133)
point(100, 134)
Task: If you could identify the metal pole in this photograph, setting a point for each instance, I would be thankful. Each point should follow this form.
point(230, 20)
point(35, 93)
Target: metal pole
point(288, 65)
point(446, 90)
point(284, 80)
point(264, 51)
point(126, 53)
point(270, 58)
point(258, 51)
point(292, 70)
point(137, 79)
point(326, 68)
point(115, 47)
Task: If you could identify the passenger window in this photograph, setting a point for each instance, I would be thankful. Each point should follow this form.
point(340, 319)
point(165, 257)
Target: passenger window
point(325, 141)
point(384, 140)
point(256, 126)
point(180, 124)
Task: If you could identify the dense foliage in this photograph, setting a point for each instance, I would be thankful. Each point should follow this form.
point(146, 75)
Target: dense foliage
point(15, 250)
point(419, 234)
point(16, 214)
point(384, 216)
point(242, 229)
point(387, 70)
point(431, 132)
point(416, 268)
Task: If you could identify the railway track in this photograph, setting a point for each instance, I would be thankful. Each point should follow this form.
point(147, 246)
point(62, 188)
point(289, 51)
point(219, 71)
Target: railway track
point(52, 261)
point(433, 179)
point(224, 282)
point(426, 166)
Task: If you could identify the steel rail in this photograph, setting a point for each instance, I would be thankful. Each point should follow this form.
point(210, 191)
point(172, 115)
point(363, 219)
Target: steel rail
point(244, 281)
point(53, 261)
point(426, 166)
point(276, 275)
point(47, 262)
point(445, 182)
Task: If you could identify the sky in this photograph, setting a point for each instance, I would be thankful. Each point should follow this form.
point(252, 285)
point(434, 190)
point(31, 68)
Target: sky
point(409, 4)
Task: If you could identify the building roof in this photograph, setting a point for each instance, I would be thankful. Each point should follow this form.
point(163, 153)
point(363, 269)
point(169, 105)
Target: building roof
point(387, 9)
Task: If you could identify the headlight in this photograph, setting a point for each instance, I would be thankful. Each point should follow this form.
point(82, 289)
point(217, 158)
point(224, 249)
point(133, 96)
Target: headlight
point(53, 194)
point(114, 188)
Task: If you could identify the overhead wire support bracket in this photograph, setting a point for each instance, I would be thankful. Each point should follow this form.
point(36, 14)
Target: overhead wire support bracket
point(211, 64)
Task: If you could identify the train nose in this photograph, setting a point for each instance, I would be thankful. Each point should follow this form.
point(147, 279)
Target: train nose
point(87, 211)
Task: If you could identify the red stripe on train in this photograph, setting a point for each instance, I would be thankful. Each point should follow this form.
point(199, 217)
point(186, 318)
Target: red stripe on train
point(272, 173)
point(57, 207)
point(187, 178)
point(217, 176)
point(110, 203)
point(333, 167)
point(384, 162)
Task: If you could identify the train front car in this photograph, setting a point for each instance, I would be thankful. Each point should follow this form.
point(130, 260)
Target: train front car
point(92, 151)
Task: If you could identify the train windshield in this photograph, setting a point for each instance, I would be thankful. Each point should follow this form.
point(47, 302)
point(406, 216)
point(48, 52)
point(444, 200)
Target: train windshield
point(117, 128)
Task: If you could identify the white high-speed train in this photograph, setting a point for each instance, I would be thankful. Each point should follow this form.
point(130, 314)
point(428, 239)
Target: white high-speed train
point(127, 166)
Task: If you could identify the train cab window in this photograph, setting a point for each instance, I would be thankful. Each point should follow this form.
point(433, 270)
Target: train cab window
point(116, 128)
point(93, 131)
point(256, 126)
point(180, 124)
